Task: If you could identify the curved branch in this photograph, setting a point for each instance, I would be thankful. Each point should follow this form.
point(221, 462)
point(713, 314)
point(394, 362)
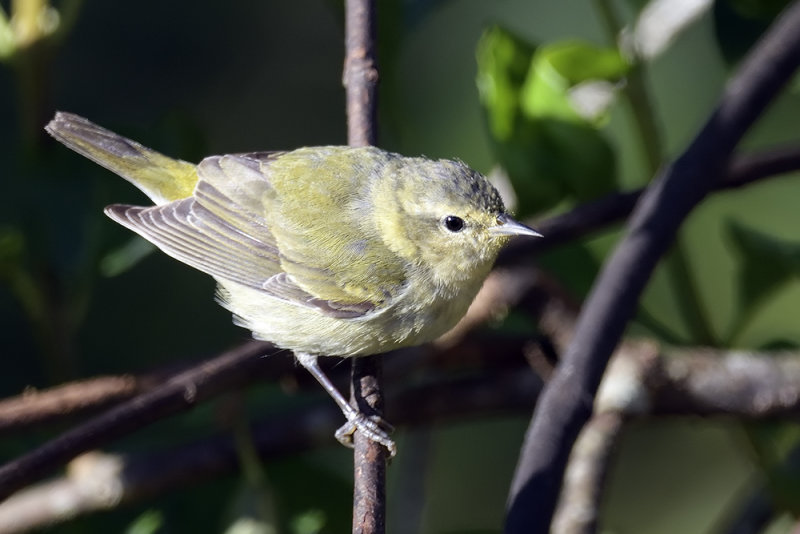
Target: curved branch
point(566, 402)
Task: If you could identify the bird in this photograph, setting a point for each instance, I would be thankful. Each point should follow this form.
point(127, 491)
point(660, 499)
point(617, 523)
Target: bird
point(325, 251)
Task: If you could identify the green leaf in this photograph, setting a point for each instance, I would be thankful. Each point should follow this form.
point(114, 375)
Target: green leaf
point(549, 150)
point(546, 94)
point(559, 67)
point(582, 159)
point(579, 61)
point(149, 522)
point(308, 522)
point(777, 450)
point(248, 525)
point(503, 62)
point(766, 265)
point(7, 42)
point(125, 257)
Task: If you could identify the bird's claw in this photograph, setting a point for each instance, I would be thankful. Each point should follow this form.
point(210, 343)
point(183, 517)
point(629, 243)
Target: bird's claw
point(373, 427)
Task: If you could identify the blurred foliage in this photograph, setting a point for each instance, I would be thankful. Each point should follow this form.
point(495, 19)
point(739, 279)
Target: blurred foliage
point(548, 149)
point(548, 92)
point(767, 266)
point(148, 523)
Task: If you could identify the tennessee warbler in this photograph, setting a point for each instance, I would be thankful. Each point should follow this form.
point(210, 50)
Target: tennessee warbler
point(325, 250)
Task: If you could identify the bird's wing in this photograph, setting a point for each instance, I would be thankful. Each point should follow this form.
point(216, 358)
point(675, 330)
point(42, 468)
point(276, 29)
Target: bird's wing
point(323, 221)
point(223, 230)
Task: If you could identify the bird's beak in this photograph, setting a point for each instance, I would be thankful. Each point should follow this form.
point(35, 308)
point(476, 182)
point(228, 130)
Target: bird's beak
point(508, 226)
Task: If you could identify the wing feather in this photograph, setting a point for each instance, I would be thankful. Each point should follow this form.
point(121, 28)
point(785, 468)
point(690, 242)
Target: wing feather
point(169, 227)
point(222, 231)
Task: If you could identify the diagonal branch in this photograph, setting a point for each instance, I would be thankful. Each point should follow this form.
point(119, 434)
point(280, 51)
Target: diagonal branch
point(183, 391)
point(34, 407)
point(566, 402)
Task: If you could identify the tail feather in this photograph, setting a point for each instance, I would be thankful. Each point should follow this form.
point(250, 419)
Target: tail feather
point(161, 178)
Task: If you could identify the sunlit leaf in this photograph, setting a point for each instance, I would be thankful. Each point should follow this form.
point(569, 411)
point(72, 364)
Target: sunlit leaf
point(248, 525)
point(7, 44)
point(559, 67)
point(578, 61)
point(546, 144)
point(149, 522)
point(308, 522)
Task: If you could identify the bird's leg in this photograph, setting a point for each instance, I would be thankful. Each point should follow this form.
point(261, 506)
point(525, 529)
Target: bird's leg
point(372, 427)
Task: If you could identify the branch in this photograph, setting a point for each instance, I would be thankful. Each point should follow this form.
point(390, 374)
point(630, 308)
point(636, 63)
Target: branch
point(578, 508)
point(593, 216)
point(361, 84)
point(361, 73)
point(180, 393)
point(35, 407)
point(641, 384)
point(566, 402)
point(98, 482)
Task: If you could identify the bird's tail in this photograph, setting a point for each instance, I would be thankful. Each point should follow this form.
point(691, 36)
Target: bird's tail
point(161, 178)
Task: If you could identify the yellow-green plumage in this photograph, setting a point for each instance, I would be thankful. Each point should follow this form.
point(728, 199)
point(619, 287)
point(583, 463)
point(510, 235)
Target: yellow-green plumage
point(325, 250)
point(161, 178)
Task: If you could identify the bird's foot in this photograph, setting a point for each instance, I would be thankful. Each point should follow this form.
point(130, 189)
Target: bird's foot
point(373, 427)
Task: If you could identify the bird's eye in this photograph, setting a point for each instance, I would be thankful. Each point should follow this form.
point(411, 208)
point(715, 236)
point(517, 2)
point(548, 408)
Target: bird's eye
point(453, 223)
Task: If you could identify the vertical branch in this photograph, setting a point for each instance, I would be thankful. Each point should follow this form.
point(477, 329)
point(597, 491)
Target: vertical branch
point(361, 82)
point(361, 72)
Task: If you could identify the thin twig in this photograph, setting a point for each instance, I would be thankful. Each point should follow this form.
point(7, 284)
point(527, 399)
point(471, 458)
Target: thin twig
point(566, 402)
point(38, 407)
point(361, 83)
point(181, 393)
point(360, 76)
